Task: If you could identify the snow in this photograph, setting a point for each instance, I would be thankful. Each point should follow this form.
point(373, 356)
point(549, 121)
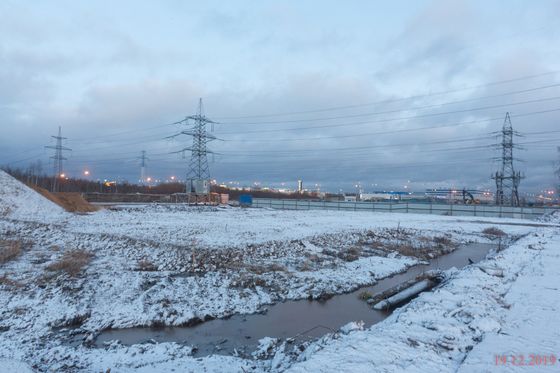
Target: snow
point(173, 264)
point(10, 365)
point(18, 201)
point(464, 324)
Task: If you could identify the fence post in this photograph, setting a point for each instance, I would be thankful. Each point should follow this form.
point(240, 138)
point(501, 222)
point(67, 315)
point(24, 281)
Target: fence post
point(451, 210)
point(474, 210)
point(407, 207)
point(390, 206)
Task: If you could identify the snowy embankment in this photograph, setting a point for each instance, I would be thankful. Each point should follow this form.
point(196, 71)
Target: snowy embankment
point(18, 201)
point(465, 323)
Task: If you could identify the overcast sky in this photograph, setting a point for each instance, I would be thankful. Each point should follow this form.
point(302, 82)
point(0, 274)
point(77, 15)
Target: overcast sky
point(384, 93)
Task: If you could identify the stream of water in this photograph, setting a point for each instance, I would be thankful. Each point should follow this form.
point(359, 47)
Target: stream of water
point(303, 318)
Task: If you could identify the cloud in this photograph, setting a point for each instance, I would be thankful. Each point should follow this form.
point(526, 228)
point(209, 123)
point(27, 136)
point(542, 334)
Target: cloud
point(112, 83)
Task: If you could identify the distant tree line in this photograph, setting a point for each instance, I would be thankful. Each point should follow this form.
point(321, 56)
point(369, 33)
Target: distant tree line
point(34, 174)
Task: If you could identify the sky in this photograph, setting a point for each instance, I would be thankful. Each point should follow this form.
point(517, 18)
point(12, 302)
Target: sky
point(382, 94)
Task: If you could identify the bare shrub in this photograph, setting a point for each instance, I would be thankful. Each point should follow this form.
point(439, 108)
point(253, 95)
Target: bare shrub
point(493, 231)
point(72, 262)
point(9, 250)
point(145, 265)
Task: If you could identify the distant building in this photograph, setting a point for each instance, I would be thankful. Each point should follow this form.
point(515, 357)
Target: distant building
point(350, 197)
point(300, 186)
point(385, 196)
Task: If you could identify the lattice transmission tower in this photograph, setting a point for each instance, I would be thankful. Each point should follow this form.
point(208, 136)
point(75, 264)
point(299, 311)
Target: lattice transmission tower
point(198, 172)
point(507, 179)
point(143, 166)
point(57, 159)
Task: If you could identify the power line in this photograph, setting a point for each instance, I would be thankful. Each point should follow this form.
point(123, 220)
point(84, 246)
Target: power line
point(395, 100)
point(398, 110)
point(402, 118)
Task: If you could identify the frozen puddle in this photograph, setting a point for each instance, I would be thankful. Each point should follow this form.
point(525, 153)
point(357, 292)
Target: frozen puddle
point(301, 320)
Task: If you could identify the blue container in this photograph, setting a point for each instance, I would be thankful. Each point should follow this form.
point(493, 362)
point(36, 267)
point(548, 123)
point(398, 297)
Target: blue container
point(245, 200)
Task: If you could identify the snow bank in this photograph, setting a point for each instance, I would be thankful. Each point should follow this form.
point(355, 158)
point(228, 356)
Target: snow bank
point(18, 201)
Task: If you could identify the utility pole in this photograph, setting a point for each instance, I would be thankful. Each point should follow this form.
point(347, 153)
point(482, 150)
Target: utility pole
point(507, 179)
point(57, 159)
point(143, 160)
point(198, 173)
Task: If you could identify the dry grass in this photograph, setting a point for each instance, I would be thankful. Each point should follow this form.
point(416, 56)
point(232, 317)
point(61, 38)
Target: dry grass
point(72, 262)
point(443, 241)
point(6, 281)
point(261, 269)
point(365, 295)
point(145, 265)
point(9, 250)
point(73, 202)
point(351, 254)
point(493, 231)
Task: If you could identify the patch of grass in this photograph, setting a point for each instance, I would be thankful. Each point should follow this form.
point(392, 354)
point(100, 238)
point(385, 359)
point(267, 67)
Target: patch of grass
point(350, 254)
point(145, 265)
point(443, 241)
point(72, 262)
point(365, 295)
point(493, 231)
point(9, 250)
point(404, 248)
point(261, 269)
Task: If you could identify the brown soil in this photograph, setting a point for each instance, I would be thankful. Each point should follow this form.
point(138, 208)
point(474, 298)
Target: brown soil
point(73, 202)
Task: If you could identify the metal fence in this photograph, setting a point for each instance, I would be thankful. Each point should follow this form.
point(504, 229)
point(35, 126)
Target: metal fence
point(406, 207)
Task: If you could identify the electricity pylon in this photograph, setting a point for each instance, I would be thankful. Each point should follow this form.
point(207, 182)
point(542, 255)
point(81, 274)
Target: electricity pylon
point(143, 165)
point(57, 159)
point(507, 179)
point(198, 173)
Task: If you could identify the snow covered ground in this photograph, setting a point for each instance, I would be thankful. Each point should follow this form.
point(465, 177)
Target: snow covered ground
point(464, 324)
point(174, 265)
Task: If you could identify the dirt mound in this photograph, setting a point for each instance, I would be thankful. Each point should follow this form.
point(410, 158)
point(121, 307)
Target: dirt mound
point(72, 202)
